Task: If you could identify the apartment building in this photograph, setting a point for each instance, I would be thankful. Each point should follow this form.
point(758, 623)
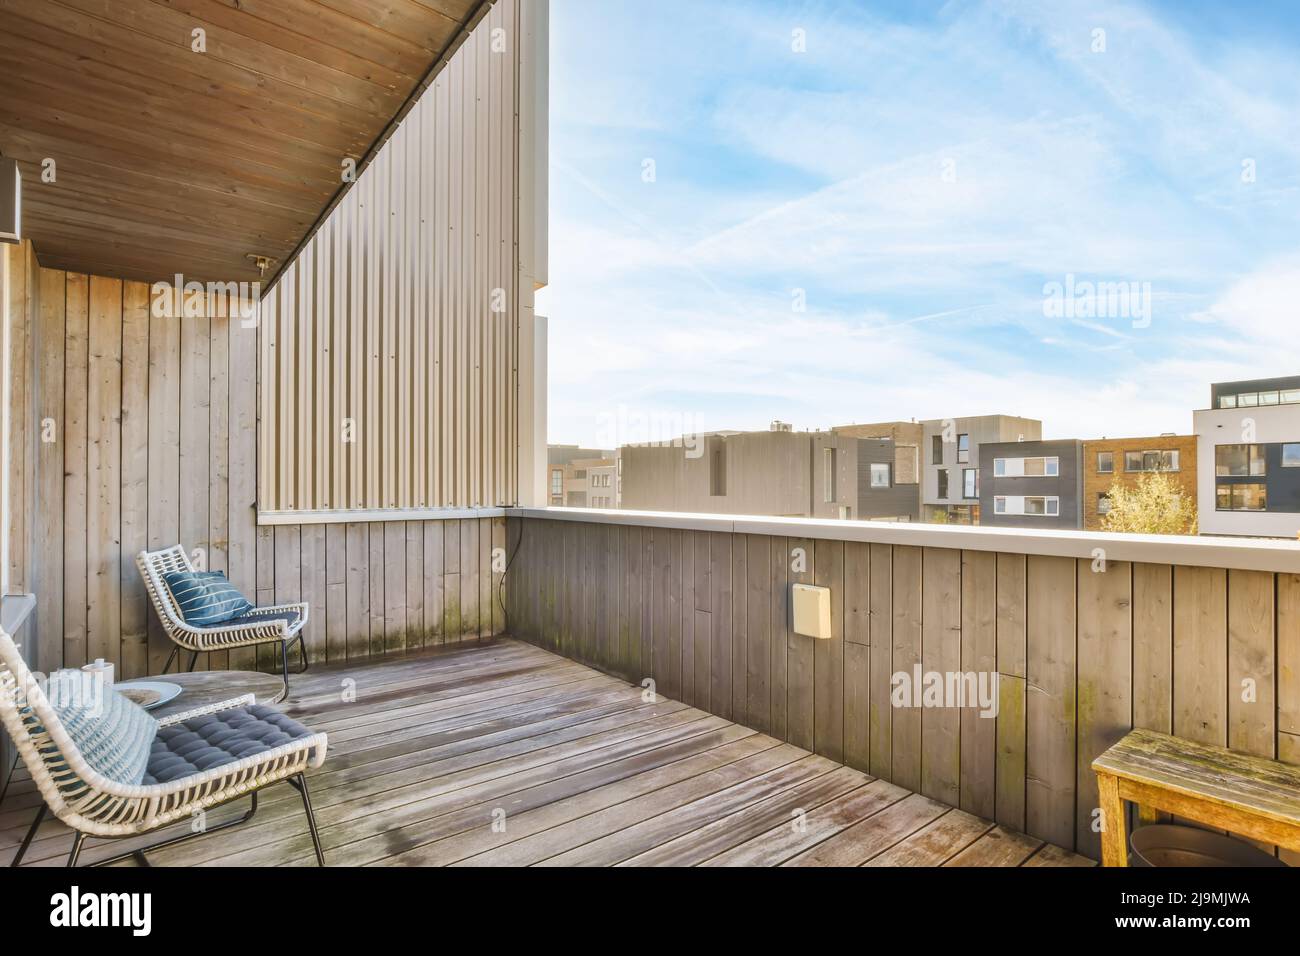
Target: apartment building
point(782, 473)
point(1248, 458)
point(1111, 461)
point(951, 462)
point(568, 482)
point(1031, 484)
point(602, 482)
point(903, 437)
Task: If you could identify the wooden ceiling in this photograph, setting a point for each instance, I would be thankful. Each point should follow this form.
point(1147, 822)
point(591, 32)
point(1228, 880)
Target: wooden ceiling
point(168, 160)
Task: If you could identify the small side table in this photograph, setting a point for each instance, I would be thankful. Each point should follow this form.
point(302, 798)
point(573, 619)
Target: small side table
point(1251, 796)
point(201, 688)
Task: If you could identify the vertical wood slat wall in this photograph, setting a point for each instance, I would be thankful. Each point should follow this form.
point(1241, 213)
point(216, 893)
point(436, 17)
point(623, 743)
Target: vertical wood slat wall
point(1083, 656)
point(25, 357)
point(154, 425)
point(388, 379)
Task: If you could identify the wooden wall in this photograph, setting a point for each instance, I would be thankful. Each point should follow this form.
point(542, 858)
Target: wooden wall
point(22, 296)
point(390, 343)
point(154, 422)
point(1082, 655)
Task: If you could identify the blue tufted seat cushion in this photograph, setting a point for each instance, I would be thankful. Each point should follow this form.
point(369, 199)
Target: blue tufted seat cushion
point(215, 740)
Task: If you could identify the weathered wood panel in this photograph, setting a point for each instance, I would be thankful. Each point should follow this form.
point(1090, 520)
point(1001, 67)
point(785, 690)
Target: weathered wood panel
point(152, 421)
point(979, 656)
point(1105, 681)
point(907, 603)
point(1050, 629)
point(941, 632)
point(1080, 654)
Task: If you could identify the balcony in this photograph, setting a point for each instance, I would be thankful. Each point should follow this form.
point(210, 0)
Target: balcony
point(499, 683)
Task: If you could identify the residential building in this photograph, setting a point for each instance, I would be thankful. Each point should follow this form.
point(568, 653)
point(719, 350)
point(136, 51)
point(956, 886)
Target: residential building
point(951, 462)
point(1248, 458)
point(602, 482)
point(566, 476)
point(1031, 484)
point(905, 437)
point(1111, 461)
point(779, 472)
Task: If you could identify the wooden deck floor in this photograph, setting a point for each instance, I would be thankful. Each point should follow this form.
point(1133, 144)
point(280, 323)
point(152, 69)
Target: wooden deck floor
point(504, 754)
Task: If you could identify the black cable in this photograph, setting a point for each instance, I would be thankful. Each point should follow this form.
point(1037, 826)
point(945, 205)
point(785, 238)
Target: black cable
point(505, 614)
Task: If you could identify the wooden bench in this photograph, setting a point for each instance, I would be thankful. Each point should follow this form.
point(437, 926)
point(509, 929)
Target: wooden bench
point(1251, 796)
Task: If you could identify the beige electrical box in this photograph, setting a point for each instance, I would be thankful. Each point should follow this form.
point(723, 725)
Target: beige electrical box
point(812, 610)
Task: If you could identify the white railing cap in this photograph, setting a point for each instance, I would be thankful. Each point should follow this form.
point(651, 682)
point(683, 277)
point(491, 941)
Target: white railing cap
point(1245, 554)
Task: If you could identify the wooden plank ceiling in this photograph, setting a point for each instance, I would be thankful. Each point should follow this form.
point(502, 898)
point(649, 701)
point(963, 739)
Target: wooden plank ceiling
point(168, 160)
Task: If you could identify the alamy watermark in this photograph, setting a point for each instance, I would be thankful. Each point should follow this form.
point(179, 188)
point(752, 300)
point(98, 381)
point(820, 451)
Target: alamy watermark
point(1084, 299)
point(624, 426)
point(180, 299)
point(942, 689)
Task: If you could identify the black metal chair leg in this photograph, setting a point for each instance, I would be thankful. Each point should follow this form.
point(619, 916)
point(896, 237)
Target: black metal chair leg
point(300, 784)
point(31, 834)
point(78, 839)
point(171, 657)
point(194, 659)
point(284, 665)
point(140, 857)
point(302, 654)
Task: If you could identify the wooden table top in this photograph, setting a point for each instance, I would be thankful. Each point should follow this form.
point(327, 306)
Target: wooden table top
point(1225, 777)
point(201, 688)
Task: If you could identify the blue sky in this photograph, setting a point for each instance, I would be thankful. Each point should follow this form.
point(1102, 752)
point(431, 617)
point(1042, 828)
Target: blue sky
point(921, 171)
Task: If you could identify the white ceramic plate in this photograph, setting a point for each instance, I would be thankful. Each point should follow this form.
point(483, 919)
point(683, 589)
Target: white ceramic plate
point(149, 693)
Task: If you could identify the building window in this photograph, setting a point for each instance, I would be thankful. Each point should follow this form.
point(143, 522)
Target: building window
point(880, 474)
point(1240, 461)
point(1247, 496)
point(1286, 396)
point(1103, 503)
point(1026, 467)
point(557, 481)
point(828, 474)
point(1106, 462)
point(1031, 505)
point(970, 485)
point(936, 450)
point(943, 482)
point(963, 449)
point(1291, 455)
point(1140, 461)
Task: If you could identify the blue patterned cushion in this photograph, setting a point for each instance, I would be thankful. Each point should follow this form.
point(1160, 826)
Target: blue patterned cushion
point(215, 740)
point(113, 734)
point(205, 598)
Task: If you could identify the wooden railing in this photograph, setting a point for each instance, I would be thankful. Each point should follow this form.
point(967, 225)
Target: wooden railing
point(1089, 635)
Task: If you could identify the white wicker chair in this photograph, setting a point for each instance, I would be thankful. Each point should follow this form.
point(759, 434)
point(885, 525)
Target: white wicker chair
point(154, 564)
point(94, 806)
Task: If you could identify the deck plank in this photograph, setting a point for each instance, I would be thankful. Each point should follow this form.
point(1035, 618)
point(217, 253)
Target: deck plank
point(501, 753)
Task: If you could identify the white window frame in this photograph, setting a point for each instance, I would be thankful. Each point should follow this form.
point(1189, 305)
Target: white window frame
point(1015, 505)
point(1015, 467)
